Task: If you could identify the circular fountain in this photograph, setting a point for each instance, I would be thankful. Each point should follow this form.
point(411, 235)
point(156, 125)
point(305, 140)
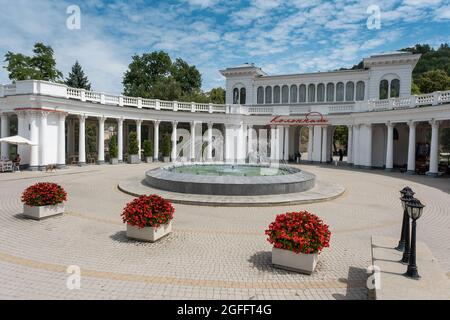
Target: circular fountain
point(231, 180)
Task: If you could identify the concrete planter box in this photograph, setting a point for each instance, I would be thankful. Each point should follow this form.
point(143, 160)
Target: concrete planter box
point(114, 161)
point(134, 159)
point(41, 212)
point(149, 234)
point(298, 262)
point(148, 159)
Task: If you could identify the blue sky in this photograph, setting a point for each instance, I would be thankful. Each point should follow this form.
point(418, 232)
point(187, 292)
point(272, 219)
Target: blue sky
point(281, 36)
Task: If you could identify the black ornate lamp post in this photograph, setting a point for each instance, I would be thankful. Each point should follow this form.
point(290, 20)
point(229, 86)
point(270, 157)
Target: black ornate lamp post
point(406, 194)
point(415, 208)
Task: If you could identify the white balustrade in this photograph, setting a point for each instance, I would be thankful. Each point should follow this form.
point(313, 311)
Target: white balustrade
point(412, 101)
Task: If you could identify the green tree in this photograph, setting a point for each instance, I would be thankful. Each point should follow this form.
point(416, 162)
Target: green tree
point(166, 145)
point(153, 75)
point(145, 72)
point(435, 80)
point(148, 148)
point(113, 149)
point(133, 147)
point(187, 76)
point(217, 95)
point(41, 66)
point(91, 138)
point(77, 78)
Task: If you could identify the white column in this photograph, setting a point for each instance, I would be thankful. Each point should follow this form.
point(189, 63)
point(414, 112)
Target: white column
point(310, 142)
point(42, 138)
point(317, 144)
point(250, 139)
point(82, 141)
point(412, 147)
point(324, 144)
point(4, 133)
point(229, 143)
point(273, 151)
point(280, 142)
point(192, 141)
point(210, 142)
point(390, 146)
point(350, 145)
point(356, 148)
point(139, 136)
point(62, 140)
point(34, 137)
point(286, 142)
point(120, 139)
point(174, 141)
point(434, 149)
point(22, 130)
point(240, 144)
point(369, 146)
point(101, 140)
point(156, 140)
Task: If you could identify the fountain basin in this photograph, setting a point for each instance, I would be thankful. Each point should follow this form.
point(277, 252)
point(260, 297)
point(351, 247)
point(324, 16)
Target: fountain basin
point(226, 179)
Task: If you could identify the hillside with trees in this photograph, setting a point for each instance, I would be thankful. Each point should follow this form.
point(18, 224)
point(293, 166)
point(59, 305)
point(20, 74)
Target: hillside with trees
point(432, 72)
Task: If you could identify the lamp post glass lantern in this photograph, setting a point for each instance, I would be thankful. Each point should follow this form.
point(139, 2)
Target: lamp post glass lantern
point(403, 244)
point(415, 209)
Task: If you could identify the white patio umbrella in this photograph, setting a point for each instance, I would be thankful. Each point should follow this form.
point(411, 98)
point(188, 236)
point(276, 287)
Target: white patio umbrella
point(18, 140)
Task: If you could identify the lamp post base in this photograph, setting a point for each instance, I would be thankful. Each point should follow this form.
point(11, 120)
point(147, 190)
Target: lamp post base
point(412, 274)
point(401, 246)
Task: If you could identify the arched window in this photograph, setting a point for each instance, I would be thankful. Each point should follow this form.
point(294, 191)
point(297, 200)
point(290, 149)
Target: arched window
point(276, 94)
point(330, 92)
point(384, 89)
point(349, 91)
point(311, 93)
point(340, 91)
point(395, 88)
point(360, 88)
point(284, 94)
point(320, 92)
point(293, 93)
point(302, 93)
point(243, 96)
point(260, 95)
point(268, 95)
point(235, 96)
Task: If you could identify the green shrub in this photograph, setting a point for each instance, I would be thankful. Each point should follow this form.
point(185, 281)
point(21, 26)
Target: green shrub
point(113, 149)
point(133, 147)
point(166, 146)
point(148, 148)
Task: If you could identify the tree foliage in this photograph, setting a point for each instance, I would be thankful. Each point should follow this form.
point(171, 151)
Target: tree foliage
point(154, 75)
point(77, 78)
point(113, 147)
point(148, 148)
point(166, 145)
point(40, 66)
point(434, 80)
point(133, 147)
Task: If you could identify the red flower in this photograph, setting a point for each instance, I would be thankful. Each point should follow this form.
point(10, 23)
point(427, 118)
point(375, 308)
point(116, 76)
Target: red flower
point(148, 211)
point(301, 232)
point(44, 194)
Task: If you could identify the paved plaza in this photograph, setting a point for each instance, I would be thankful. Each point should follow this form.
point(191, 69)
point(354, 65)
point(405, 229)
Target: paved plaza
point(213, 252)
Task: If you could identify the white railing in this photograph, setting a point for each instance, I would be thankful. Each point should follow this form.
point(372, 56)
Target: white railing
point(341, 109)
point(59, 90)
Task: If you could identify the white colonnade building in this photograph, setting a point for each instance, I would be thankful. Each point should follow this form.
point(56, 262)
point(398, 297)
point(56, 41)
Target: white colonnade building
point(387, 126)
